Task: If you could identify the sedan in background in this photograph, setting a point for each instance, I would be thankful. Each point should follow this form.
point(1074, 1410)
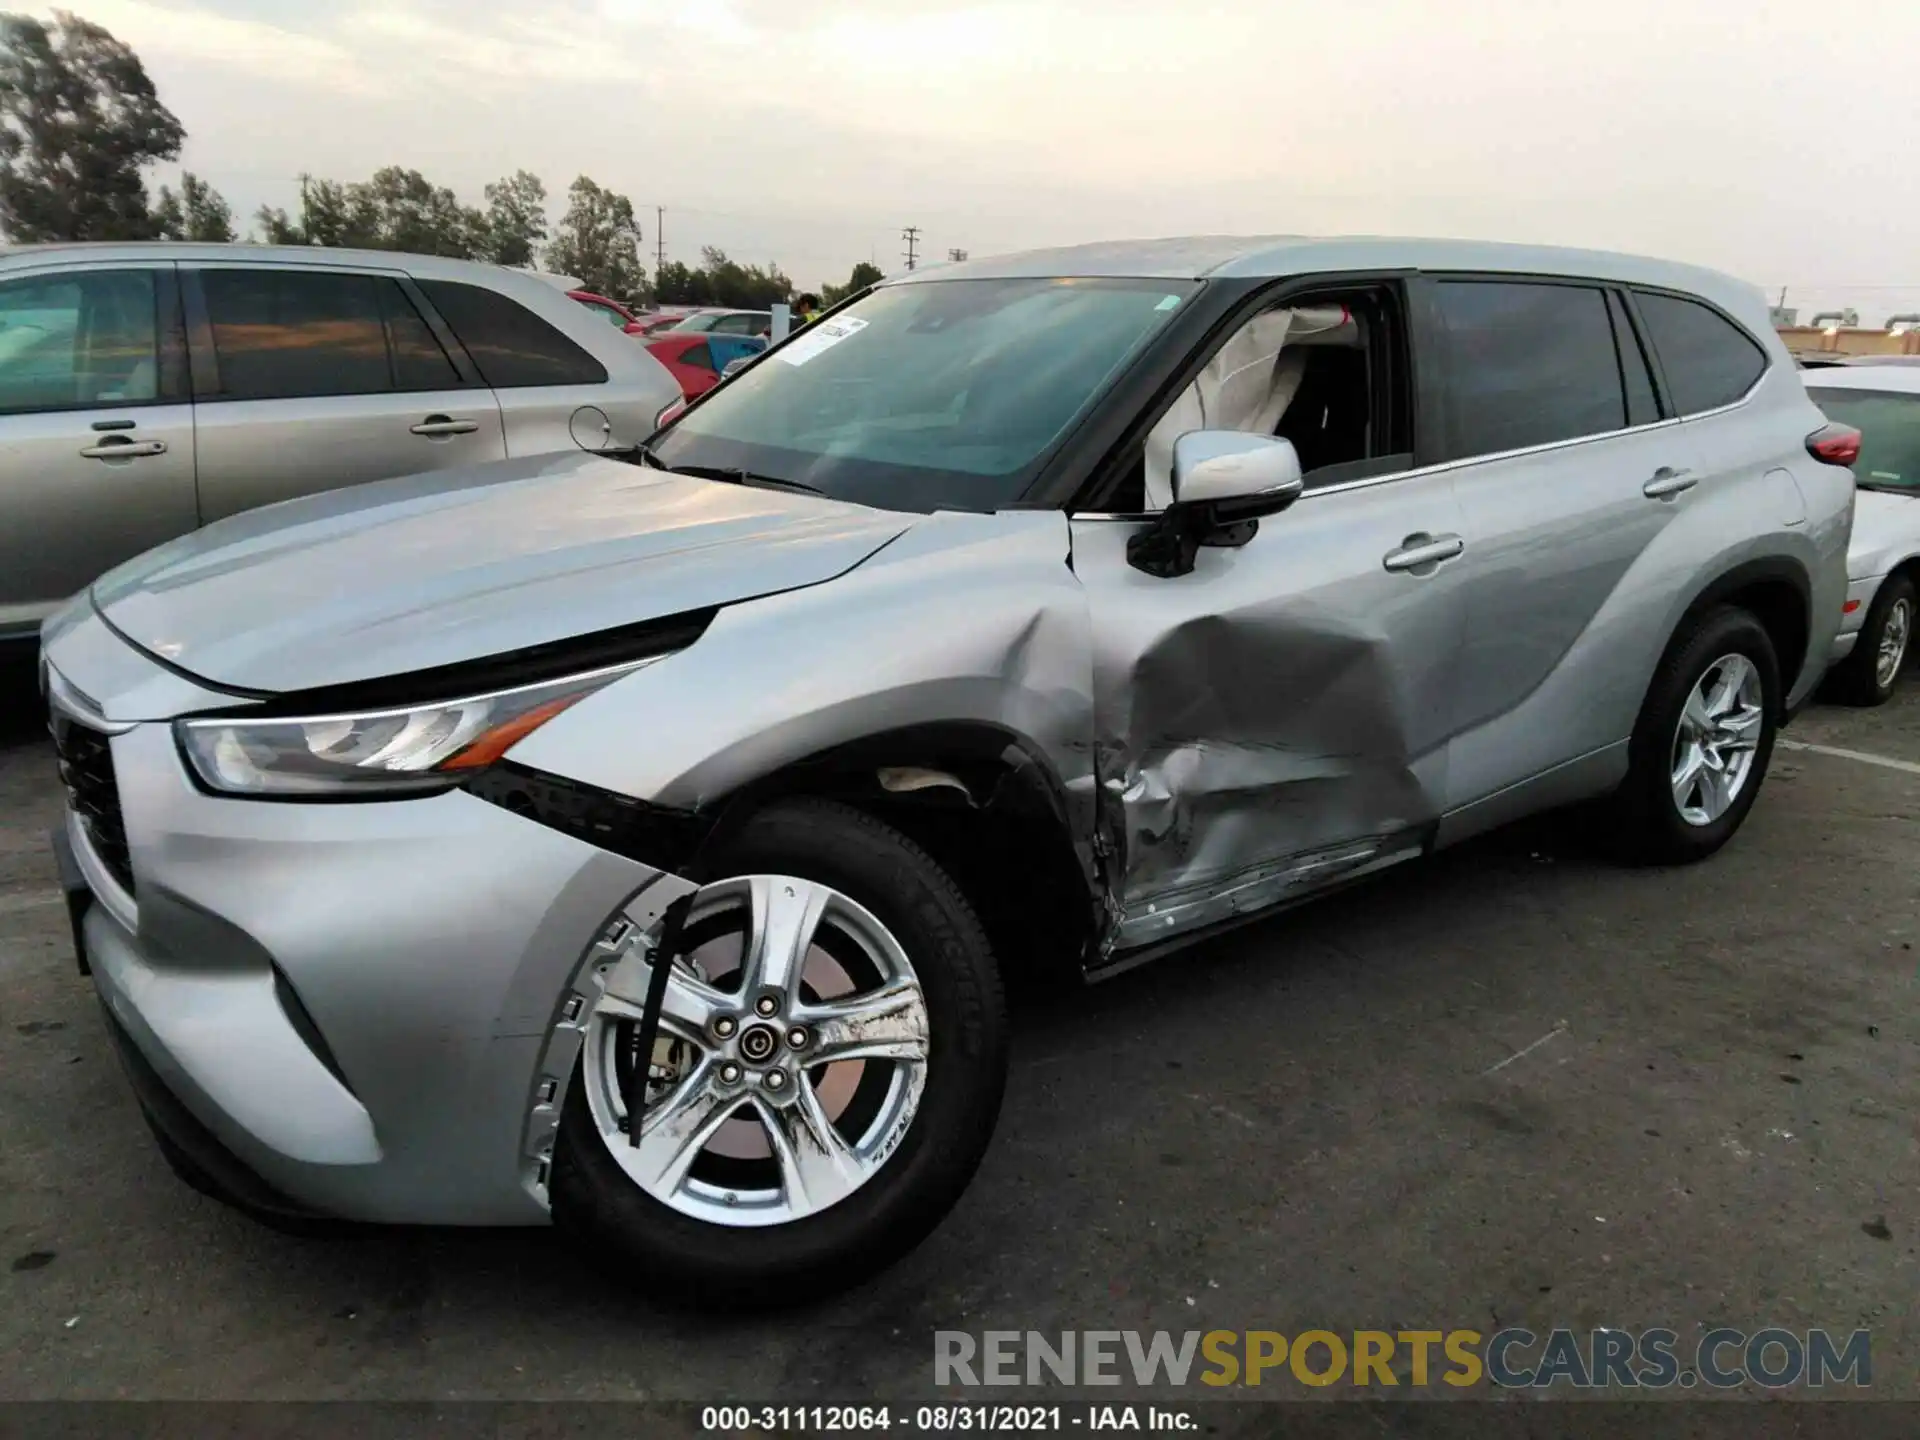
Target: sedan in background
point(611, 311)
point(1882, 402)
point(698, 361)
point(728, 322)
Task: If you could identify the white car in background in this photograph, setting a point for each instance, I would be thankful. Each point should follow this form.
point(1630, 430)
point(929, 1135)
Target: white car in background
point(1882, 402)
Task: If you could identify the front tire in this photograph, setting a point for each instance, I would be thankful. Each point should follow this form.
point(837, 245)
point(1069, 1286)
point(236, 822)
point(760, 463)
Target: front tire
point(1868, 676)
point(833, 953)
point(1704, 739)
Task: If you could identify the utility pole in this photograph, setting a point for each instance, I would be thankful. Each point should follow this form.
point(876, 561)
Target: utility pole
point(912, 236)
point(659, 239)
point(956, 256)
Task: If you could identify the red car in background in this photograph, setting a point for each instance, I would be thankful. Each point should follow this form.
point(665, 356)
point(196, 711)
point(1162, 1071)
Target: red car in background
point(611, 311)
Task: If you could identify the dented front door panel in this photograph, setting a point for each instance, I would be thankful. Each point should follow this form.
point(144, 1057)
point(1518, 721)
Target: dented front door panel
point(1276, 720)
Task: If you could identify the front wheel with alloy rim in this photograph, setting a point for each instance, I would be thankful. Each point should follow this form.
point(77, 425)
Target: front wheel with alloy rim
point(1868, 675)
point(1703, 741)
point(827, 1073)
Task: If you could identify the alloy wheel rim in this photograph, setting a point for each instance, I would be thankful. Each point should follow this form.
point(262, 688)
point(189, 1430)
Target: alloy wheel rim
point(1893, 642)
point(1717, 738)
point(831, 1081)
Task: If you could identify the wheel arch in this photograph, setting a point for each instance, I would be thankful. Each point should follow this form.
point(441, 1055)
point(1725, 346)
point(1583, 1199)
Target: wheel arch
point(1777, 591)
point(984, 802)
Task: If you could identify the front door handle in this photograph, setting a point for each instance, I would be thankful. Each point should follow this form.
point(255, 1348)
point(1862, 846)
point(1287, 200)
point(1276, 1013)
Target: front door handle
point(1421, 549)
point(119, 448)
point(1668, 482)
point(436, 425)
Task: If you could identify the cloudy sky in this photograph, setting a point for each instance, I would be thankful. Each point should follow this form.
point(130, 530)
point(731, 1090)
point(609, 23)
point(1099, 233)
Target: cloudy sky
point(1772, 139)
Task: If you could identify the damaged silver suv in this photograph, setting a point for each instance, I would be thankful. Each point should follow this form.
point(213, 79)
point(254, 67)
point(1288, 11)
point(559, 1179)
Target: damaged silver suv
point(639, 844)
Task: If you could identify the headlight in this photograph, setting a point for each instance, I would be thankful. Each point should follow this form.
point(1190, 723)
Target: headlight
point(423, 747)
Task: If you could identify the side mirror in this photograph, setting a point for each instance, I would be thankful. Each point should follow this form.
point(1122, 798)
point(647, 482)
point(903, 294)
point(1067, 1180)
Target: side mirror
point(1223, 482)
point(1234, 475)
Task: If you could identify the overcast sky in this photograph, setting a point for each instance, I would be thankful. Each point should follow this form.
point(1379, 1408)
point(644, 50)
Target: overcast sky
point(1776, 140)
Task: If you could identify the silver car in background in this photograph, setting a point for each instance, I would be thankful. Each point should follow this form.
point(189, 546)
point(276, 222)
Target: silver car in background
point(1882, 402)
point(639, 843)
point(146, 389)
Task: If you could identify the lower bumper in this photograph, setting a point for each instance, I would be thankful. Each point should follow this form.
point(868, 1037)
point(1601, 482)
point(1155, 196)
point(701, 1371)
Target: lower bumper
point(341, 1010)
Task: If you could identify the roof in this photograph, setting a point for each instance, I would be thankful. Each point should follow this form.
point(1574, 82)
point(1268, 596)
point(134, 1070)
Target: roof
point(95, 252)
point(1902, 379)
point(1274, 256)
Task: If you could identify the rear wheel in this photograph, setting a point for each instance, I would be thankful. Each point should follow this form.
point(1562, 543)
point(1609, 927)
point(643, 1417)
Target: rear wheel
point(829, 1068)
point(1703, 742)
point(1868, 676)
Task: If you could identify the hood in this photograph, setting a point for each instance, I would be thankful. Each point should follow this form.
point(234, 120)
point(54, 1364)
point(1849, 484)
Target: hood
point(402, 575)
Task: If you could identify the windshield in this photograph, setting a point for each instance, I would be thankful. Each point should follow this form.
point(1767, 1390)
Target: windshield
point(1889, 426)
point(942, 394)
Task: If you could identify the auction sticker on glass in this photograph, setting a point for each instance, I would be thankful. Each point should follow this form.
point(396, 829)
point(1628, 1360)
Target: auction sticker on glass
point(823, 337)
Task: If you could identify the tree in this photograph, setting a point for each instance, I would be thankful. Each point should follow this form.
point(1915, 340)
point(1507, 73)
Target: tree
point(599, 241)
point(197, 213)
point(864, 274)
point(397, 209)
point(680, 284)
point(516, 222)
point(79, 121)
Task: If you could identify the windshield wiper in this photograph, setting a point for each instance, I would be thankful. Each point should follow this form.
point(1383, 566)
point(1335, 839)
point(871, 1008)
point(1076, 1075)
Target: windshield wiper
point(737, 476)
point(640, 453)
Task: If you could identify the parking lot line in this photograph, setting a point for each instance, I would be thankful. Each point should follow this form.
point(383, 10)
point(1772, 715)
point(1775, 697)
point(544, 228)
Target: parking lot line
point(1909, 766)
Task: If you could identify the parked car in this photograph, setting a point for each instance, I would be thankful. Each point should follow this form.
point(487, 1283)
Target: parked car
point(149, 389)
point(612, 312)
point(1882, 402)
point(728, 322)
point(697, 361)
point(687, 808)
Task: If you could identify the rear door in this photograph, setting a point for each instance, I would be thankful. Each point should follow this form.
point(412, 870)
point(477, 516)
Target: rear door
point(95, 427)
point(310, 378)
point(1566, 471)
point(553, 395)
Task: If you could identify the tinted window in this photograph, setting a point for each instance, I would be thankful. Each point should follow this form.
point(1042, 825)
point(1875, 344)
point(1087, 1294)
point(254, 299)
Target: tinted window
point(1528, 364)
point(698, 356)
point(78, 341)
point(742, 324)
point(512, 346)
point(1708, 361)
point(1642, 408)
point(280, 334)
point(419, 361)
point(1889, 426)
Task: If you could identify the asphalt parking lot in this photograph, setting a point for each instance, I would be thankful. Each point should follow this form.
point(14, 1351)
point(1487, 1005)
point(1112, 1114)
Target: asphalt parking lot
point(1511, 1085)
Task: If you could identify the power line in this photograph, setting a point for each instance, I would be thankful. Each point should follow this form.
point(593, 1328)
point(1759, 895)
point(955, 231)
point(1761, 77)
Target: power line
point(912, 236)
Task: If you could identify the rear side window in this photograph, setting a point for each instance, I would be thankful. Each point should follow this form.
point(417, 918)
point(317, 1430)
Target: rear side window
point(698, 356)
point(1707, 359)
point(1527, 364)
point(513, 347)
point(291, 334)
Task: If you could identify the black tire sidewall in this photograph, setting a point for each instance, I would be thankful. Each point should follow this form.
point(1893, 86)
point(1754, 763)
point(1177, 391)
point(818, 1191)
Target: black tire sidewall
point(689, 1259)
point(1657, 831)
point(1859, 684)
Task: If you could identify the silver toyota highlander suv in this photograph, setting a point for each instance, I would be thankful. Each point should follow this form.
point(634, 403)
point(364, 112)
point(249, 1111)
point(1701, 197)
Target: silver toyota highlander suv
point(146, 389)
point(640, 843)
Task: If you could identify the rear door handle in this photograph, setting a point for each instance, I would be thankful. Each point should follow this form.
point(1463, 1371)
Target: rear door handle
point(435, 425)
point(121, 449)
point(1418, 550)
point(1668, 482)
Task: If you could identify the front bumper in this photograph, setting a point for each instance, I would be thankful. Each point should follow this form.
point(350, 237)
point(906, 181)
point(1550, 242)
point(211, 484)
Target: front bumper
point(352, 1001)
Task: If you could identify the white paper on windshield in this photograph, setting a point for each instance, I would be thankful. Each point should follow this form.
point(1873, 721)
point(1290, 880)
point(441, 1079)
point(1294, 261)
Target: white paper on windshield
point(824, 335)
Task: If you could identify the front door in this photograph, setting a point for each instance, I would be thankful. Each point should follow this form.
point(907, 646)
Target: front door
point(1277, 719)
point(96, 429)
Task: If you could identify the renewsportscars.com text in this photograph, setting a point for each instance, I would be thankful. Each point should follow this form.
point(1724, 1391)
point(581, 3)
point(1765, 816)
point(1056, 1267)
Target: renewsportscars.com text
point(1513, 1358)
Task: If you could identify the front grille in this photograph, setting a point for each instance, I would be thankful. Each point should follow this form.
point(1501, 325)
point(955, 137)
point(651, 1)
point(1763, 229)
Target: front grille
point(86, 768)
